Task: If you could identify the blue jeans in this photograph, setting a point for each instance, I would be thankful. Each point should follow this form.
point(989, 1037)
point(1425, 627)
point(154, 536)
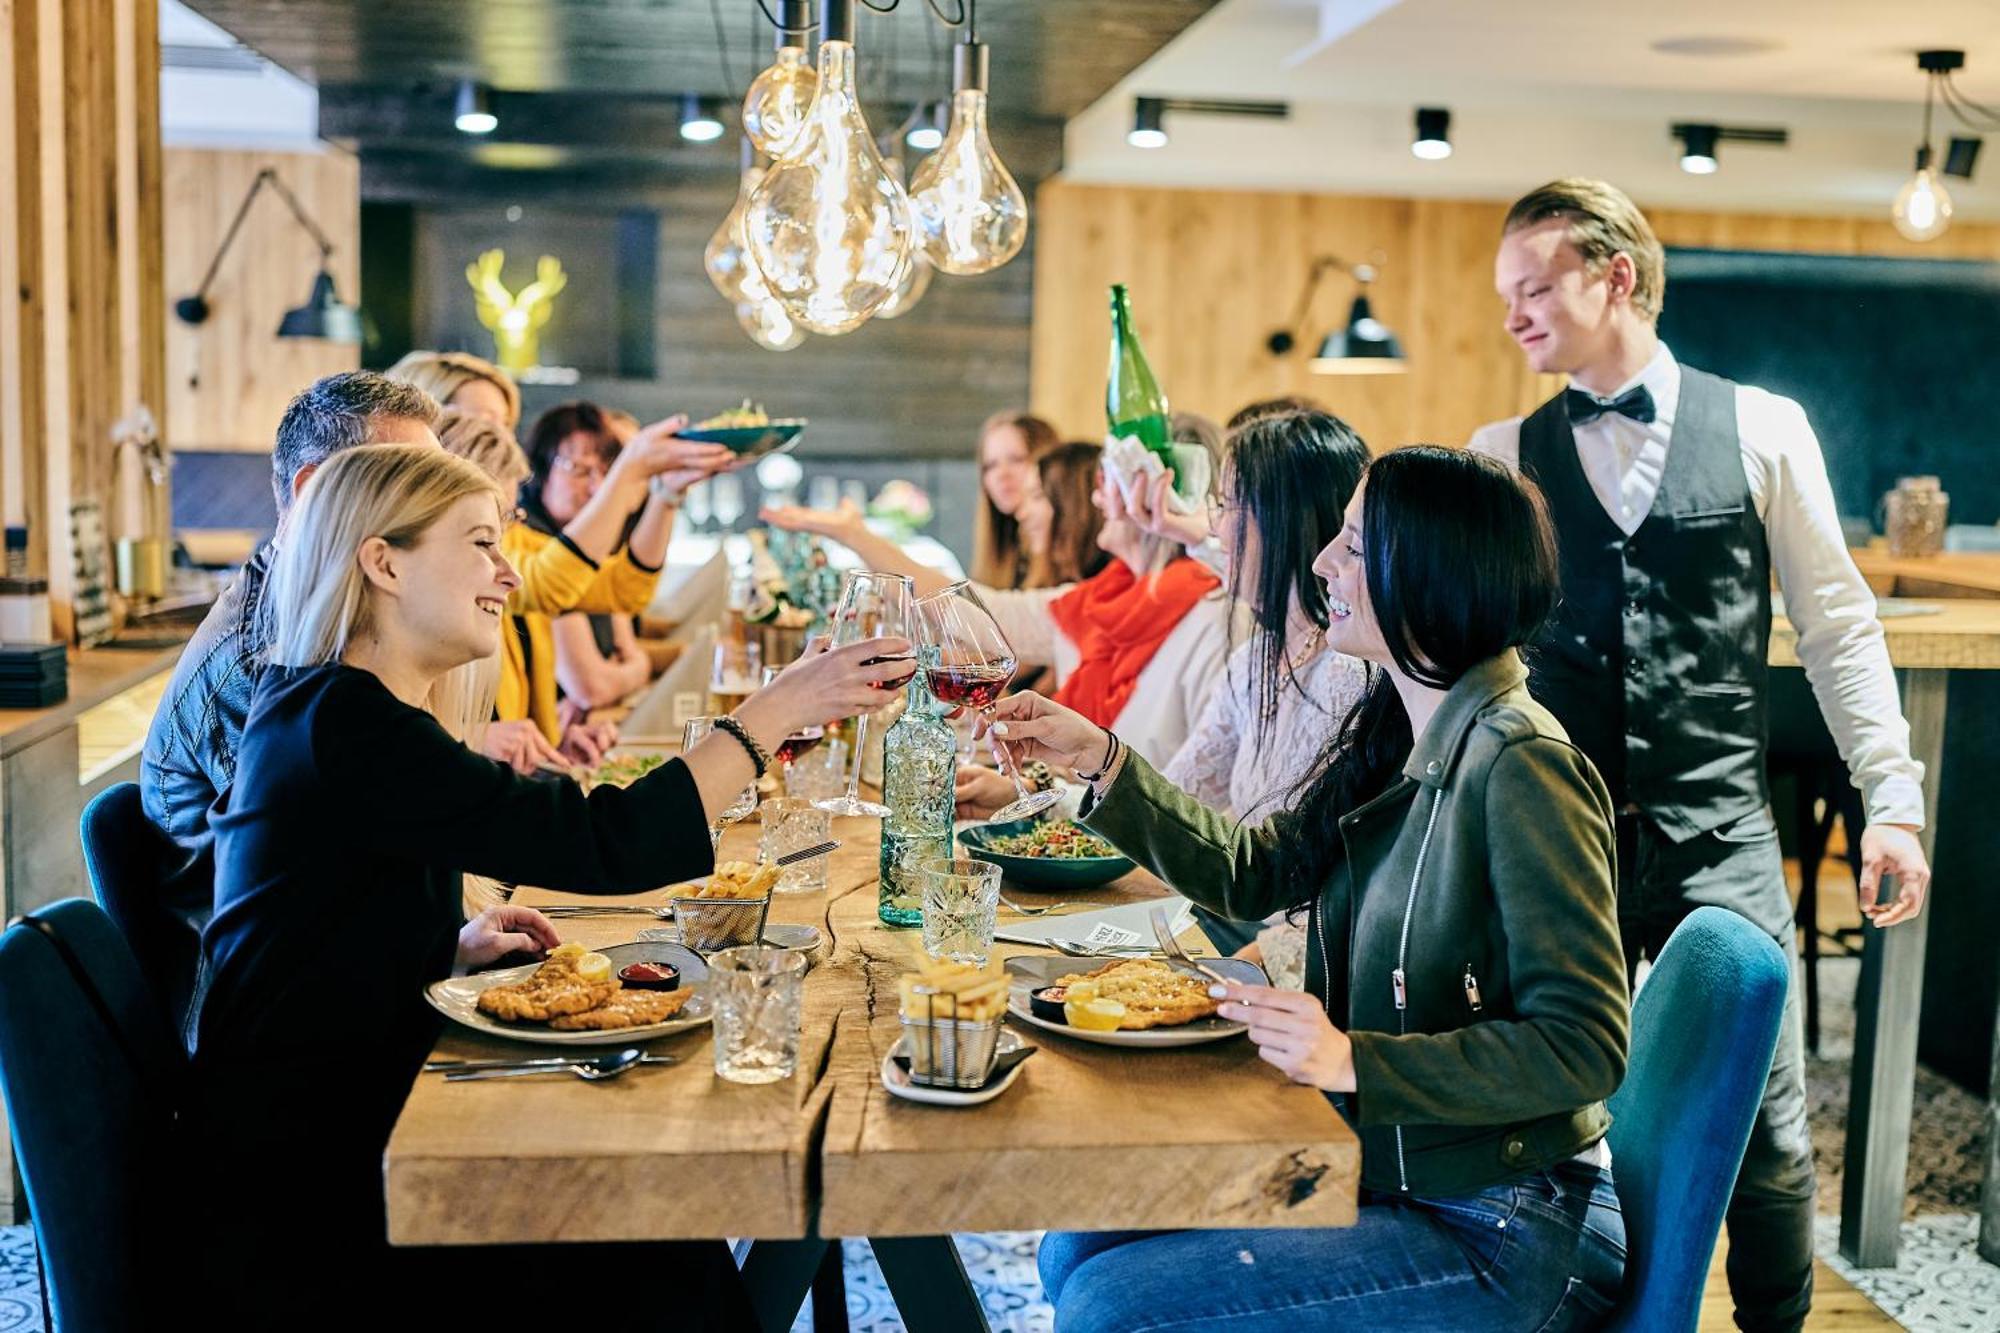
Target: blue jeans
point(1546, 1252)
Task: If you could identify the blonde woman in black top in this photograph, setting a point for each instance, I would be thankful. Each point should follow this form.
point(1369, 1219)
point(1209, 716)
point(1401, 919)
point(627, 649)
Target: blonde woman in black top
point(339, 854)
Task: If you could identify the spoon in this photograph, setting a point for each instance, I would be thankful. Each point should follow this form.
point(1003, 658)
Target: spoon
point(590, 1071)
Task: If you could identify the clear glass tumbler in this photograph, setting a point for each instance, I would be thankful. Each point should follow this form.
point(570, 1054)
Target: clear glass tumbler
point(757, 995)
point(961, 903)
point(791, 824)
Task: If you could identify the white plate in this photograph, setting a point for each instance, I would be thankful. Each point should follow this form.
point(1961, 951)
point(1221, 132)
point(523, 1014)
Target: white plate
point(899, 1085)
point(1031, 973)
point(457, 998)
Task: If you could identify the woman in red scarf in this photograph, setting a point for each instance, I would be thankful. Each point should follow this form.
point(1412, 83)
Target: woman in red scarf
point(1140, 644)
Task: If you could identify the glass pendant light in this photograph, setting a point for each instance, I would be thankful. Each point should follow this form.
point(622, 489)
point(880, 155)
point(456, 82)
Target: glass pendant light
point(727, 257)
point(1922, 209)
point(776, 104)
point(970, 213)
point(768, 325)
point(917, 276)
point(829, 227)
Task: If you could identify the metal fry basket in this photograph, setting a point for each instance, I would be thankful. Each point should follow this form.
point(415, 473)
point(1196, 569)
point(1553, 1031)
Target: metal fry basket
point(708, 924)
point(949, 1052)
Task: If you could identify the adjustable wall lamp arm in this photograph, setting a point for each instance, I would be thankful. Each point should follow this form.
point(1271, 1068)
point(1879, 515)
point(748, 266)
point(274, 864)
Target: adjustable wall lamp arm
point(1286, 338)
point(194, 309)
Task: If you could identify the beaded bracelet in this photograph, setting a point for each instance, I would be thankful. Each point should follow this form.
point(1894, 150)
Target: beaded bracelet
point(757, 753)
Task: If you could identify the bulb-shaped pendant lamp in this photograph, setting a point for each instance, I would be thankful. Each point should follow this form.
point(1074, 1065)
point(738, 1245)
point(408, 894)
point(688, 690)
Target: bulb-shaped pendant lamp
point(970, 213)
point(776, 105)
point(829, 226)
point(1922, 209)
point(727, 256)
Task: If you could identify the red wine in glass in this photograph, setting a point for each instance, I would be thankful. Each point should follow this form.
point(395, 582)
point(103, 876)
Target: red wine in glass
point(976, 685)
point(797, 744)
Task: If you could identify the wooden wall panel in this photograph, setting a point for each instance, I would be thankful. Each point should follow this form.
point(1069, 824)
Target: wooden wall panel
point(1214, 272)
point(228, 380)
point(79, 257)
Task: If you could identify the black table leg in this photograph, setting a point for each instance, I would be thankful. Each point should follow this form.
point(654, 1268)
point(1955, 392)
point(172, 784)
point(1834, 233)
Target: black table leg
point(829, 1292)
point(779, 1274)
point(928, 1281)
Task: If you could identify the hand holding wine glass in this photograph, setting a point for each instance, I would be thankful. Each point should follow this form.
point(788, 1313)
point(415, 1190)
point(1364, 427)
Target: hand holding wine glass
point(968, 661)
point(871, 605)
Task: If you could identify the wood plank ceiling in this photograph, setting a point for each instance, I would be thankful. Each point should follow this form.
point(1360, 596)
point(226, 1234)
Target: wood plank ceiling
point(589, 88)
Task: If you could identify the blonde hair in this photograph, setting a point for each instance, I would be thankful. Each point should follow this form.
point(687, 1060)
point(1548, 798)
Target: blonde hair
point(996, 537)
point(442, 374)
point(317, 602)
point(486, 443)
point(1603, 223)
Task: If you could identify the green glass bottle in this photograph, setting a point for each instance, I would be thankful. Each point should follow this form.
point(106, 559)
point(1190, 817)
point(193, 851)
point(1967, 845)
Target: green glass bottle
point(1133, 403)
point(919, 761)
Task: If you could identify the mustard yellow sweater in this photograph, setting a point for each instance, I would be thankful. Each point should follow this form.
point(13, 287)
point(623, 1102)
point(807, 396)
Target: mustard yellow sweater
point(555, 578)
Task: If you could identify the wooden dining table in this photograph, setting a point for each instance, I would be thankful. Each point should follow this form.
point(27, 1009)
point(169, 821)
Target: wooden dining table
point(1088, 1137)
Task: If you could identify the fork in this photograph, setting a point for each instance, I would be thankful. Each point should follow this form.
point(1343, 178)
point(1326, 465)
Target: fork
point(1075, 949)
point(1042, 910)
point(1172, 947)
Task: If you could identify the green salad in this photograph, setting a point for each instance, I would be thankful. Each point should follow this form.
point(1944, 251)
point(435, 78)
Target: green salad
point(1057, 840)
point(622, 770)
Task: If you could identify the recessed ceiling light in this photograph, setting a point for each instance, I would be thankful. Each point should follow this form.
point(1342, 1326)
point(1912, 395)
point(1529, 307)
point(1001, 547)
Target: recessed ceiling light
point(472, 109)
point(1715, 45)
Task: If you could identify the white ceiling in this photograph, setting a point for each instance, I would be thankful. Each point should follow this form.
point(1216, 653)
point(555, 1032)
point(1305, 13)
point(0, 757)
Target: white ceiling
point(1542, 88)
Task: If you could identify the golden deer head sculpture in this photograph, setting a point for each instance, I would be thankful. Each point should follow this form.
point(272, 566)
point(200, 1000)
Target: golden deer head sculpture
point(515, 318)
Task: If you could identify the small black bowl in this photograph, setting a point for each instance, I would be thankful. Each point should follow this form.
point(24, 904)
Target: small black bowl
point(672, 981)
point(1047, 1004)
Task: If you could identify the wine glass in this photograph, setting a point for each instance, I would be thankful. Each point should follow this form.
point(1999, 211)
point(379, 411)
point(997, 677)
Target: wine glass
point(739, 808)
point(823, 493)
point(974, 662)
point(870, 605)
point(726, 499)
point(800, 741)
point(694, 501)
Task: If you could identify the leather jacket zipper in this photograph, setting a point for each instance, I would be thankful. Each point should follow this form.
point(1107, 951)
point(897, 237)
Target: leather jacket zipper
point(1399, 979)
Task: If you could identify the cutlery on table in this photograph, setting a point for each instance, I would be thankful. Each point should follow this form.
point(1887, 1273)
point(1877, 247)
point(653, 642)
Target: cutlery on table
point(1078, 949)
point(1172, 947)
point(551, 1062)
point(608, 909)
point(1041, 909)
point(590, 1071)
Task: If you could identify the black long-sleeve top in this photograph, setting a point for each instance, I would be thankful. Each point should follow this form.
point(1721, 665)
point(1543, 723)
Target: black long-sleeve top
point(340, 847)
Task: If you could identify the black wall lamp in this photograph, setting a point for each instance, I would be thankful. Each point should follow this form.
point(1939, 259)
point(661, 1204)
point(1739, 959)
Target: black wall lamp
point(1364, 346)
point(322, 316)
point(1149, 128)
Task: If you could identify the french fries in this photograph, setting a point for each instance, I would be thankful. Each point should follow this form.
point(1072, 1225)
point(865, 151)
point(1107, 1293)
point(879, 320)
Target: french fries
point(739, 879)
point(963, 992)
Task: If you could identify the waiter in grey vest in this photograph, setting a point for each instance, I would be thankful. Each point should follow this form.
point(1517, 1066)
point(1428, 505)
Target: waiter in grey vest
point(1675, 495)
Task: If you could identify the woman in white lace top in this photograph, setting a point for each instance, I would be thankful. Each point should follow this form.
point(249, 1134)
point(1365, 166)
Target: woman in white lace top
point(1290, 472)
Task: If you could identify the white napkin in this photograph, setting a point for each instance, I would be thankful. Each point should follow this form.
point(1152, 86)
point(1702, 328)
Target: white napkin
point(1131, 464)
point(1130, 924)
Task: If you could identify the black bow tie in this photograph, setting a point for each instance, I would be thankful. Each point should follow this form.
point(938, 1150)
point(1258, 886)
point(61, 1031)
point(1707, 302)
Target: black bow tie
point(1584, 408)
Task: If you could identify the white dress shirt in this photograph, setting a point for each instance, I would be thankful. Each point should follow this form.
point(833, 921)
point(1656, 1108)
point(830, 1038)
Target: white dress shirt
point(1828, 602)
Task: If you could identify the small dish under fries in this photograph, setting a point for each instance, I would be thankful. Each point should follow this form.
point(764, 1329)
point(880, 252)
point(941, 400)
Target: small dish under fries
point(1031, 974)
point(457, 998)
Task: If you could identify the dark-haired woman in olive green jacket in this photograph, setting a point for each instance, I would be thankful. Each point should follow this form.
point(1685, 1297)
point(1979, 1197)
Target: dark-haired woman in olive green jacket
point(1465, 1005)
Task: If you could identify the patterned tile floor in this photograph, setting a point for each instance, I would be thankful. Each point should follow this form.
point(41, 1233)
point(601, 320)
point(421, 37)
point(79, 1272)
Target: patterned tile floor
point(1941, 1284)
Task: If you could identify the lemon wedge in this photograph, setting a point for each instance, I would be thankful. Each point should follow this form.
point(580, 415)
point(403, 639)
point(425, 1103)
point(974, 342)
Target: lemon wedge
point(1094, 1015)
point(593, 967)
point(567, 951)
point(1080, 991)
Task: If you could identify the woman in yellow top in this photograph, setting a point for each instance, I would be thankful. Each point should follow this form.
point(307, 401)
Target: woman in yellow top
point(592, 536)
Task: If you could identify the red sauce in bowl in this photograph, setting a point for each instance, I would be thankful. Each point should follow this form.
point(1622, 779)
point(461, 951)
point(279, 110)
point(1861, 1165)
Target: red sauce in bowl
point(650, 976)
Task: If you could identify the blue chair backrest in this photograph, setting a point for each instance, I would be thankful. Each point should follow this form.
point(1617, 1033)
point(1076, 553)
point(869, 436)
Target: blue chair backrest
point(1704, 1026)
point(91, 1075)
point(149, 888)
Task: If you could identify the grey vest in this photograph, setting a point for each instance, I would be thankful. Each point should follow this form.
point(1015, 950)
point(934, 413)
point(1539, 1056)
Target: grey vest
point(1655, 660)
